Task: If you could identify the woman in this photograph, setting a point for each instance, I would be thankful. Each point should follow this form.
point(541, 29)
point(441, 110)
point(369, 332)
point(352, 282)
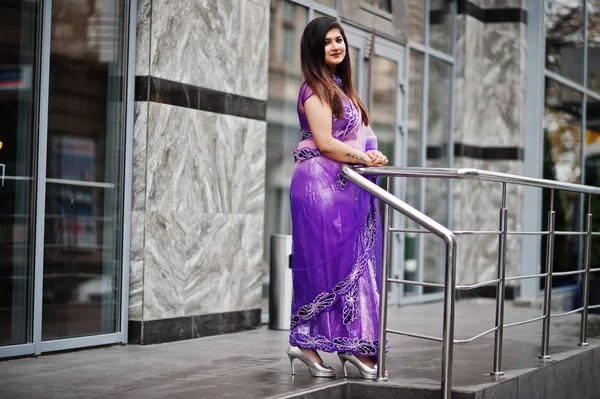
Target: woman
point(335, 224)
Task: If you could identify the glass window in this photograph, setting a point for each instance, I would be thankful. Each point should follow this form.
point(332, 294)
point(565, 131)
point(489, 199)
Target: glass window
point(18, 60)
point(84, 194)
point(327, 3)
point(416, 20)
point(593, 45)
point(564, 38)
point(562, 154)
point(436, 191)
point(592, 171)
point(440, 25)
point(385, 5)
point(283, 133)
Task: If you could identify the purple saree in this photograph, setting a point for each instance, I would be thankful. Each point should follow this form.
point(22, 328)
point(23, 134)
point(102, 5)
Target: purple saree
point(336, 250)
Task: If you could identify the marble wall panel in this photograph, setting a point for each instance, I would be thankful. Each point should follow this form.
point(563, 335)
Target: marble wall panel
point(253, 51)
point(227, 38)
point(164, 265)
point(469, 88)
point(136, 289)
point(207, 29)
point(224, 257)
point(477, 207)
point(142, 48)
point(138, 219)
point(228, 164)
point(140, 132)
point(503, 82)
point(490, 83)
point(167, 173)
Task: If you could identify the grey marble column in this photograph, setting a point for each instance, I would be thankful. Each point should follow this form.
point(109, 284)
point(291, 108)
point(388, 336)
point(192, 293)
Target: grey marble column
point(489, 97)
point(198, 176)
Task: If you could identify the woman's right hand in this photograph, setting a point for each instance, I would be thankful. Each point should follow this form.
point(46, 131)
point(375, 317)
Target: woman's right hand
point(377, 158)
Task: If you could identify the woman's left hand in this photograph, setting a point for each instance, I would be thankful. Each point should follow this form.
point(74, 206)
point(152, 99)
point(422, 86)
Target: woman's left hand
point(377, 157)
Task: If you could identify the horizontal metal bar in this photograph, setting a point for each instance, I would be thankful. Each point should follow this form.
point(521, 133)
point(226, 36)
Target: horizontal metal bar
point(81, 183)
point(428, 337)
point(466, 341)
point(569, 273)
point(518, 323)
point(18, 178)
point(476, 285)
point(526, 277)
point(594, 306)
point(472, 232)
point(570, 233)
point(411, 282)
point(567, 313)
point(478, 174)
point(595, 270)
point(566, 82)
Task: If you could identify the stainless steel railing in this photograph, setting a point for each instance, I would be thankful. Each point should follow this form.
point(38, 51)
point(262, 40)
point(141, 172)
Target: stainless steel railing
point(429, 226)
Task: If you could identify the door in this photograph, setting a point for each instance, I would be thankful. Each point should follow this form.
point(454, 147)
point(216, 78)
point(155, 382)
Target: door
point(63, 80)
point(379, 67)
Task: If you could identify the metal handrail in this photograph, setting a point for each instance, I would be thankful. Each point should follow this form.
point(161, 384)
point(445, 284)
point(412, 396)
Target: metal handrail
point(429, 226)
point(478, 174)
point(450, 273)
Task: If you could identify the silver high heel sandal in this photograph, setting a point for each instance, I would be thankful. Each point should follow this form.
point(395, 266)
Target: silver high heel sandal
point(366, 372)
point(316, 369)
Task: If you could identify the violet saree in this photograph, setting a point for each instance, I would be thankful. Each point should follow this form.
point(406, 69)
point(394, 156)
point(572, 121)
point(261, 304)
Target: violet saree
point(336, 244)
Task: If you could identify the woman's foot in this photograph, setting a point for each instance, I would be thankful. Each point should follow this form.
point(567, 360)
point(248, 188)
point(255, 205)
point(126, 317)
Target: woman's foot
point(312, 354)
point(366, 360)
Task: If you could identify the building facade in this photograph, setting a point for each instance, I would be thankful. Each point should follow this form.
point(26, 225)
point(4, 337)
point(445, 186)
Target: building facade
point(146, 150)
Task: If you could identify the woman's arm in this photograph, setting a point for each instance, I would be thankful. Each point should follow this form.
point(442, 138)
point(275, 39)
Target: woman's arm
point(320, 117)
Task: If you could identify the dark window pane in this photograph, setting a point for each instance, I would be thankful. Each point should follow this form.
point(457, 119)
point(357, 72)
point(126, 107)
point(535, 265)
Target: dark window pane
point(593, 45)
point(564, 38)
point(18, 36)
point(562, 154)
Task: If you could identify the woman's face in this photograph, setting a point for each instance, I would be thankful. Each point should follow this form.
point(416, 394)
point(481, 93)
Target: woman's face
point(335, 49)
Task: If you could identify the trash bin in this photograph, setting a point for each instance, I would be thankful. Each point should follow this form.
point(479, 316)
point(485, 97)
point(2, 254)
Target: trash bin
point(280, 286)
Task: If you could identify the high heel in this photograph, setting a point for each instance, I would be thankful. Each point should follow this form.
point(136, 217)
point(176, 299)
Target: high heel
point(316, 369)
point(366, 372)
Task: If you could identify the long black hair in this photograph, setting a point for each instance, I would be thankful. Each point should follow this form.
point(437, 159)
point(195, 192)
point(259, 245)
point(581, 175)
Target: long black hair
point(316, 73)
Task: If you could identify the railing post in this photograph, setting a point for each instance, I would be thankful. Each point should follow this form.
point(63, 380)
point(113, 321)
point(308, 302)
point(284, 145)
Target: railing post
point(448, 328)
point(586, 279)
point(500, 288)
point(383, 293)
point(548, 286)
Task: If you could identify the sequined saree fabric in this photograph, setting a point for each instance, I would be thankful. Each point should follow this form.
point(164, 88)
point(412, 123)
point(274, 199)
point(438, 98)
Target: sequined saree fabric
point(336, 250)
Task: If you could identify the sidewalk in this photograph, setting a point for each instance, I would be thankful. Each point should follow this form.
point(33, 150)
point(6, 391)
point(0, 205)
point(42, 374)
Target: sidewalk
point(253, 364)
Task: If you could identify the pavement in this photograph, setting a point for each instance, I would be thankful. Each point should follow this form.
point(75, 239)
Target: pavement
point(253, 364)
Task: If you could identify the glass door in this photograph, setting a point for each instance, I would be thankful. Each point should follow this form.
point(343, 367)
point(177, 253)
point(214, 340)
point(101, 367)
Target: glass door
point(63, 79)
point(19, 60)
point(379, 75)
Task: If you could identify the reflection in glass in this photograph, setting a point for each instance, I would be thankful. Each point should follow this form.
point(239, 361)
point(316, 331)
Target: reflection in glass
point(82, 257)
point(593, 45)
point(383, 108)
point(416, 20)
point(564, 38)
point(413, 158)
point(354, 53)
point(592, 176)
point(18, 73)
point(285, 78)
point(436, 191)
point(440, 25)
point(327, 3)
point(562, 154)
